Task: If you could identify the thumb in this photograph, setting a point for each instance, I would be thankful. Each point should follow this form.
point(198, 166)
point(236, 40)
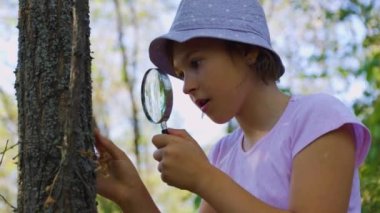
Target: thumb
point(181, 133)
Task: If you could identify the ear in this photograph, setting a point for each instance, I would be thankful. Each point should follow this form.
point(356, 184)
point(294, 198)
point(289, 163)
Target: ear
point(251, 55)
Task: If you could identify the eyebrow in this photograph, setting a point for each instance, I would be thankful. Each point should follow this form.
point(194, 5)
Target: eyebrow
point(186, 56)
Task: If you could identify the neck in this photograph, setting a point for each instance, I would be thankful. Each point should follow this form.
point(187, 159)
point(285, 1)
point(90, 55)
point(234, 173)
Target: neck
point(260, 112)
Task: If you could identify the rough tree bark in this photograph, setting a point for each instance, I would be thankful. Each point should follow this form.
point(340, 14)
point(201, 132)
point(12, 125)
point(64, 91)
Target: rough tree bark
point(129, 79)
point(53, 88)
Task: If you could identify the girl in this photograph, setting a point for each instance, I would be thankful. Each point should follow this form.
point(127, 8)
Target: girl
point(289, 153)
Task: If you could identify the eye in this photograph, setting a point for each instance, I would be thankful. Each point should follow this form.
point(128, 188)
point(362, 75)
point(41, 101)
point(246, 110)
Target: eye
point(180, 75)
point(195, 63)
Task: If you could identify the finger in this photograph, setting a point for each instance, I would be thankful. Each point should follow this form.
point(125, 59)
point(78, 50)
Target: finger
point(161, 140)
point(98, 144)
point(157, 155)
point(165, 178)
point(180, 133)
point(160, 167)
point(106, 145)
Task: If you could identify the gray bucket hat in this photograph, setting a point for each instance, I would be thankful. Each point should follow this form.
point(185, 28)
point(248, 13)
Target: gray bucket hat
point(233, 20)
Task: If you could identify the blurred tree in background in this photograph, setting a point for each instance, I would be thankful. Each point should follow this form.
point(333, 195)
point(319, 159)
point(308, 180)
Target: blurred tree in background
point(327, 46)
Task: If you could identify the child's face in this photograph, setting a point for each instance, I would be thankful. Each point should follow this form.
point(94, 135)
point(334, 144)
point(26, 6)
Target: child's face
point(217, 81)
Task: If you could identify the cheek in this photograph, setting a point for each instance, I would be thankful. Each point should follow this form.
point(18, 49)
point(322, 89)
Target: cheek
point(231, 76)
point(221, 113)
point(234, 97)
point(227, 105)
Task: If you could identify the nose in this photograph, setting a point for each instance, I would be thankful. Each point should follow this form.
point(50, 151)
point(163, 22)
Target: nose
point(189, 84)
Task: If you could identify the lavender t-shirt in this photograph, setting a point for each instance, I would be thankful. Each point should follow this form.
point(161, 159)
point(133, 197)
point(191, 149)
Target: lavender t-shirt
point(265, 169)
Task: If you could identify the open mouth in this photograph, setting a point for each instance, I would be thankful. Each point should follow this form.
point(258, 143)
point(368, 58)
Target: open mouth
point(201, 103)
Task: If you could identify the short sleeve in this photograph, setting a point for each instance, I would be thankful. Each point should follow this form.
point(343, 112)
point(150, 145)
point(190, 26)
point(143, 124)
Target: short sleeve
point(320, 114)
point(224, 146)
point(213, 153)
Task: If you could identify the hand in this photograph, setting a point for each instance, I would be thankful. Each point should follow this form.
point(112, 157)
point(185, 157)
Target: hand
point(182, 162)
point(115, 173)
point(118, 180)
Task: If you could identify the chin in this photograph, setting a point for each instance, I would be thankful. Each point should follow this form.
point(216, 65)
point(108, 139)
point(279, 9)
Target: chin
point(220, 120)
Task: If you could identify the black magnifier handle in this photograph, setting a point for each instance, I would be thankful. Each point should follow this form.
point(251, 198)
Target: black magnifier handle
point(164, 128)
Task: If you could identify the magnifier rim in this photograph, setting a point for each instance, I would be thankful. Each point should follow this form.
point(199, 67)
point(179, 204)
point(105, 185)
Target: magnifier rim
point(168, 96)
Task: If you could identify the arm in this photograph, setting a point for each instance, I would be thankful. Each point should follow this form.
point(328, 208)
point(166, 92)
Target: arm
point(323, 173)
point(222, 194)
point(321, 180)
point(119, 181)
point(184, 165)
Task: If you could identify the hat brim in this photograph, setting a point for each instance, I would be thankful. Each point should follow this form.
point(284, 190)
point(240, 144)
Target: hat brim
point(158, 52)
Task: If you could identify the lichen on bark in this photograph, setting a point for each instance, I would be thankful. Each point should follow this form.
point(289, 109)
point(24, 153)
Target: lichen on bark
point(53, 89)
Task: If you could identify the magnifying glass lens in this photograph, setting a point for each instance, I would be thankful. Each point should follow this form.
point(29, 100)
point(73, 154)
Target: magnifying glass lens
point(157, 97)
point(154, 93)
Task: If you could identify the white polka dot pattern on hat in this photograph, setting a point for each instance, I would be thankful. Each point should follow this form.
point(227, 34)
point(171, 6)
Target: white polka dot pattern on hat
point(235, 20)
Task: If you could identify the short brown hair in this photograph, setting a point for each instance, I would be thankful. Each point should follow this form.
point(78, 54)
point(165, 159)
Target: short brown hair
point(267, 65)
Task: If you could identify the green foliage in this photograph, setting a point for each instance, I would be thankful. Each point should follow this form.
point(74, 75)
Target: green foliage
point(8, 151)
point(370, 171)
point(106, 206)
point(368, 107)
point(343, 56)
point(197, 202)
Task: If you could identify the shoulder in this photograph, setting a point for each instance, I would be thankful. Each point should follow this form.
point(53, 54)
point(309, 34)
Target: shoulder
point(322, 107)
point(224, 145)
point(320, 102)
point(318, 114)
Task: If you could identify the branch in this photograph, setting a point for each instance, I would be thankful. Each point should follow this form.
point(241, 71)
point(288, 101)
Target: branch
point(1, 162)
point(3, 152)
point(7, 149)
point(7, 202)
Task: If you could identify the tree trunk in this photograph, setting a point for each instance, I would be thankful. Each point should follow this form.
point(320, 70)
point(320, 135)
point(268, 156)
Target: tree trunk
point(53, 88)
point(128, 79)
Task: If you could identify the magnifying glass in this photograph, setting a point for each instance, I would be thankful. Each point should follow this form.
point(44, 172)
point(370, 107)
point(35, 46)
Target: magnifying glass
point(157, 97)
